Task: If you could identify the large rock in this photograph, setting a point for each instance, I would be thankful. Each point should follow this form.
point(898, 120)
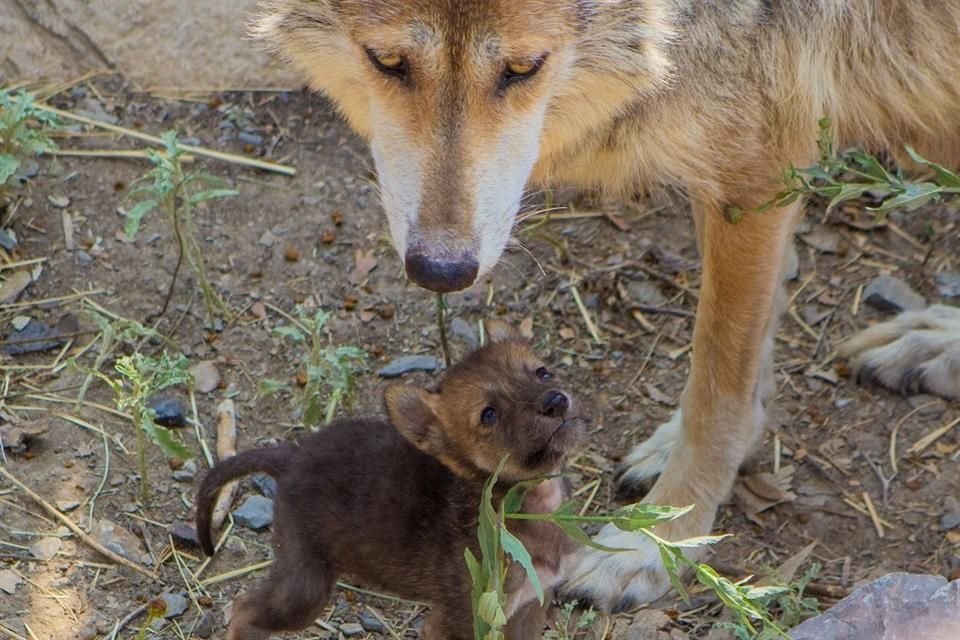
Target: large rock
point(900, 606)
point(180, 44)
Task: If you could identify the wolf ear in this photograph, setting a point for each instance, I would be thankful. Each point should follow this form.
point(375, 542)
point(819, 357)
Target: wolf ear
point(411, 411)
point(500, 331)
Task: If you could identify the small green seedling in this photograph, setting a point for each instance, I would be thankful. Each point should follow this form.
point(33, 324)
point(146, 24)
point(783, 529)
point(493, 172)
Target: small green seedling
point(789, 608)
point(329, 372)
point(139, 378)
point(496, 543)
point(570, 626)
point(176, 192)
point(849, 175)
point(23, 134)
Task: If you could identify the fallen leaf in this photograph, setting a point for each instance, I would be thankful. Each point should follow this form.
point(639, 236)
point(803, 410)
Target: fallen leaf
point(758, 492)
point(658, 396)
point(823, 240)
point(526, 327)
point(566, 333)
point(789, 567)
point(365, 263)
point(617, 221)
point(13, 286)
point(17, 438)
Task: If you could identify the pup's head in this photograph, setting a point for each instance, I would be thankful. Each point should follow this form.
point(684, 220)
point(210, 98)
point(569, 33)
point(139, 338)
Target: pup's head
point(459, 99)
point(500, 400)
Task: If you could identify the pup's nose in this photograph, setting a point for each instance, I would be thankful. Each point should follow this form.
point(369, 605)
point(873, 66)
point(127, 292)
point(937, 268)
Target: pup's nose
point(555, 404)
point(440, 275)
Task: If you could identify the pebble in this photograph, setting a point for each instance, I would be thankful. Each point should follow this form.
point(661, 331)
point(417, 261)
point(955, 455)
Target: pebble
point(646, 292)
point(176, 604)
point(169, 411)
point(246, 137)
point(886, 293)
point(8, 239)
point(236, 546)
point(66, 506)
point(31, 339)
point(184, 532)
point(204, 628)
point(266, 485)
point(351, 629)
point(45, 548)
point(927, 405)
point(465, 331)
point(951, 514)
point(206, 376)
point(9, 581)
point(118, 540)
point(256, 513)
point(407, 364)
point(267, 239)
point(372, 624)
point(60, 202)
point(948, 284)
point(187, 472)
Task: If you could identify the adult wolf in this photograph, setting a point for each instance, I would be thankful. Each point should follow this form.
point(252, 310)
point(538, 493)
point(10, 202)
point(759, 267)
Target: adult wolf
point(465, 102)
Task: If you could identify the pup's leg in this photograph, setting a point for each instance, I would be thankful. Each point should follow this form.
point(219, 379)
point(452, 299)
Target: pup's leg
point(453, 624)
point(289, 599)
point(918, 351)
point(528, 622)
point(721, 410)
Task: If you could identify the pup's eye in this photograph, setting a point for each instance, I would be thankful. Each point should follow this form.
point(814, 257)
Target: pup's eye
point(488, 416)
point(543, 374)
point(390, 64)
point(520, 71)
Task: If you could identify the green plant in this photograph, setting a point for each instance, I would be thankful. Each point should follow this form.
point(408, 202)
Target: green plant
point(139, 378)
point(496, 543)
point(329, 372)
point(569, 626)
point(176, 192)
point(789, 608)
point(23, 133)
point(849, 175)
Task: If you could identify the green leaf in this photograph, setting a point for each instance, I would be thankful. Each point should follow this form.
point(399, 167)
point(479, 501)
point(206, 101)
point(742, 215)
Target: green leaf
point(8, 167)
point(163, 437)
point(513, 500)
point(211, 194)
point(644, 516)
point(698, 541)
point(269, 387)
point(871, 166)
point(289, 332)
point(671, 558)
point(575, 532)
point(518, 552)
point(135, 216)
point(313, 411)
point(945, 177)
point(914, 195)
point(850, 192)
point(490, 610)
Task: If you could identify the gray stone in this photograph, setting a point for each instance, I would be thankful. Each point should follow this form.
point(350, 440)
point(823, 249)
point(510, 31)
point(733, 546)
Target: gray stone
point(266, 485)
point(176, 604)
point(887, 293)
point(407, 364)
point(245, 137)
point(184, 532)
point(948, 284)
point(371, 623)
point(168, 411)
point(256, 513)
point(8, 239)
point(118, 540)
point(187, 472)
point(951, 514)
point(646, 292)
point(465, 331)
point(351, 629)
point(894, 607)
point(45, 548)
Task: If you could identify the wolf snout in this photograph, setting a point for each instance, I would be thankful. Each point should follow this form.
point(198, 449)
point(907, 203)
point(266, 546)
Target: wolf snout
point(555, 404)
point(440, 274)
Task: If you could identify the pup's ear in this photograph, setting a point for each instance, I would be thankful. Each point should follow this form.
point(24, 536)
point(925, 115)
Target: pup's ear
point(500, 331)
point(411, 411)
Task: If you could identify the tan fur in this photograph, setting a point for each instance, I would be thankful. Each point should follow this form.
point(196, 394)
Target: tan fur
point(717, 98)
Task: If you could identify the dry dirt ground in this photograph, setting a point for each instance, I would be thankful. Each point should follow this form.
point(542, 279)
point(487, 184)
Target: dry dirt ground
point(278, 244)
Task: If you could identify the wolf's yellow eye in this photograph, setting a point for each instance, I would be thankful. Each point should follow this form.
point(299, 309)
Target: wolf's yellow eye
point(521, 68)
point(390, 61)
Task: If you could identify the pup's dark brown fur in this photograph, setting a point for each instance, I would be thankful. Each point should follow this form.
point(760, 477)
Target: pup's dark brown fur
point(394, 504)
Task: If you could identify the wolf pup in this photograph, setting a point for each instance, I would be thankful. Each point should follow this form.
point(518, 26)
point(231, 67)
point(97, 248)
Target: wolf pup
point(393, 504)
point(466, 102)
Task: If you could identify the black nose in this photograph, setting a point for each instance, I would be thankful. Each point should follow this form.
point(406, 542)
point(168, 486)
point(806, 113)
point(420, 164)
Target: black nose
point(439, 275)
point(555, 404)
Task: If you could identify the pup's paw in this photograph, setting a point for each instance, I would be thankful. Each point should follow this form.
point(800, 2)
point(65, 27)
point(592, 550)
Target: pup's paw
point(616, 582)
point(918, 351)
point(643, 465)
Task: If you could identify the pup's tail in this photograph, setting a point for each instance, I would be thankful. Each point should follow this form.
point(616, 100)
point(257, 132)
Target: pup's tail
point(271, 460)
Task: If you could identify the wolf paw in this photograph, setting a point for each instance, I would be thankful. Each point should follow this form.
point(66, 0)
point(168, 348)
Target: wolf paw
point(640, 469)
point(918, 351)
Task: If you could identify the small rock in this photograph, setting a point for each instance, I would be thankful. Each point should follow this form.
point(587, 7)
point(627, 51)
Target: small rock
point(951, 514)
point(886, 293)
point(204, 628)
point(118, 540)
point(236, 546)
point(351, 629)
point(184, 532)
point(267, 239)
point(8, 239)
point(407, 364)
point(176, 604)
point(34, 337)
point(246, 137)
point(372, 624)
point(948, 284)
point(169, 411)
point(66, 506)
point(12, 287)
point(45, 548)
point(60, 202)
point(927, 405)
point(256, 513)
point(9, 581)
point(266, 485)
point(206, 376)
point(646, 293)
point(465, 331)
point(187, 472)
point(823, 240)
